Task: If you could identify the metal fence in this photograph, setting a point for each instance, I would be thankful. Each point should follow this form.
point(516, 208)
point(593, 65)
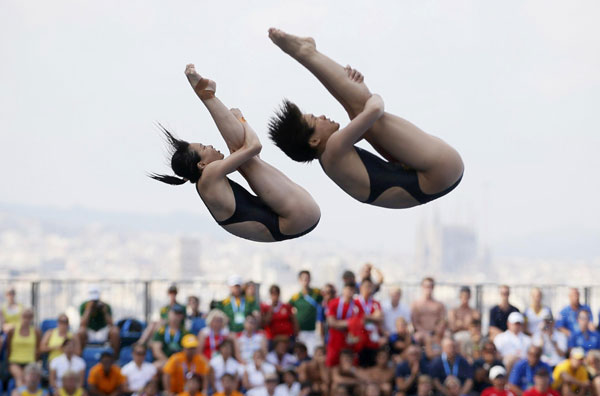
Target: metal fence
point(142, 298)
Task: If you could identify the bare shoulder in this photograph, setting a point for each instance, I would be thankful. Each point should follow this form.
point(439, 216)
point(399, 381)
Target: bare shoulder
point(335, 150)
point(210, 175)
point(336, 143)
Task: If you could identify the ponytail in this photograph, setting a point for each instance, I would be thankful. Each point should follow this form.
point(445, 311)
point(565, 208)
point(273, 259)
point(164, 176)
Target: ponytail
point(183, 161)
point(172, 180)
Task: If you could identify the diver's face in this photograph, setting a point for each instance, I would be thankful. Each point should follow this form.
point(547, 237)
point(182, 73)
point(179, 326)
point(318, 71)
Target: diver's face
point(322, 125)
point(207, 153)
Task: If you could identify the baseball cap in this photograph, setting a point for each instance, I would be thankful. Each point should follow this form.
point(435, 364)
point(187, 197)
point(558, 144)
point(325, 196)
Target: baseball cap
point(234, 280)
point(172, 289)
point(515, 317)
point(577, 353)
point(189, 341)
point(497, 371)
point(547, 315)
point(93, 293)
point(178, 309)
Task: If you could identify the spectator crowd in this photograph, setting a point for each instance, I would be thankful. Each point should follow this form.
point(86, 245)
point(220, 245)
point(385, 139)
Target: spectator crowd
point(338, 340)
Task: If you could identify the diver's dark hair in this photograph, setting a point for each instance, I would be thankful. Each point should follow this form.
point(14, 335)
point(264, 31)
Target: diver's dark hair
point(183, 161)
point(290, 132)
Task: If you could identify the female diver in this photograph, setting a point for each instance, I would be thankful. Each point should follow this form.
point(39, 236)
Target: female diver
point(280, 210)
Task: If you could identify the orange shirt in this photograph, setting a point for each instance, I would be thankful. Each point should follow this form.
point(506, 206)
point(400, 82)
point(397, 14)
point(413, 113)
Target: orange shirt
point(178, 367)
point(105, 383)
point(234, 393)
point(186, 393)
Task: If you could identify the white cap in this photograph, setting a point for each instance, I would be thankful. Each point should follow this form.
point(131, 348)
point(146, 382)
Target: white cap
point(234, 280)
point(497, 371)
point(547, 315)
point(577, 353)
point(515, 317)
point(93, 293)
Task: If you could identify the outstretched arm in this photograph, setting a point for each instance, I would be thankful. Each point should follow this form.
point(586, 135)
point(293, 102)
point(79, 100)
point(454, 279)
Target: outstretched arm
point(355, 130)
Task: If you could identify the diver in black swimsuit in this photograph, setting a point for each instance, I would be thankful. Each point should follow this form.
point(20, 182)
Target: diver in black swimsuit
point(418, 167)
point(280, 210)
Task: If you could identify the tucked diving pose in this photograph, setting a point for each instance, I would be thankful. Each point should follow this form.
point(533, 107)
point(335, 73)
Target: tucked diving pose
point(280, 210)
point(418, 167)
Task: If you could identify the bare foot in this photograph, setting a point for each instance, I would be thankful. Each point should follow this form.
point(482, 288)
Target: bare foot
point(204, 87)
point(295, 46)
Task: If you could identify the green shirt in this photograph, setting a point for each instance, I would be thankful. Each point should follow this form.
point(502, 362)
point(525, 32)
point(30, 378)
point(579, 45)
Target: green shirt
point(237, 313)
point(171, 341)
point(97, 320)
point(307, 308)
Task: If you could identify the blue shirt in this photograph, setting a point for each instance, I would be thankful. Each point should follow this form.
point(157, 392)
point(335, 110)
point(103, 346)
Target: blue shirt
point(588, 340)
point(522, 373)
point(440, 368)
point(567, 317)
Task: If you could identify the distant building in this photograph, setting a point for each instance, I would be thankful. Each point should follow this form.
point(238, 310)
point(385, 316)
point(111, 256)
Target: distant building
point(189, 258)
point(448, 248)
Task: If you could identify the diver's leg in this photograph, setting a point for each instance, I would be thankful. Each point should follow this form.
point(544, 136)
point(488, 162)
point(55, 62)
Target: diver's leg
point(228, 125)
point(295, 206)
point(437, 163)
point(351, 94)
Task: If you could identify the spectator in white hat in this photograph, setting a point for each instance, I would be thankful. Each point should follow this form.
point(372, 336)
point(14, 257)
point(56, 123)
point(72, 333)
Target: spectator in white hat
point(498, 378)
point(96, 325)
point(237, 306)
point(570, 376)
point(513, 343)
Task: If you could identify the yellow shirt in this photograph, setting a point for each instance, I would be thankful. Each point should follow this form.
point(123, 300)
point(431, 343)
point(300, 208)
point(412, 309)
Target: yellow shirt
point(12, 315)
point(565, 367)
point(78, 392)
point(22, 349)
point(56, 341)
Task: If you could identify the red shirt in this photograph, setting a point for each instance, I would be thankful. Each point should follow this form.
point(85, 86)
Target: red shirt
point(337, 338)
point(368, 307)
point(491, 391)
point(368, 330)
point(534, 392)
point(281, 320)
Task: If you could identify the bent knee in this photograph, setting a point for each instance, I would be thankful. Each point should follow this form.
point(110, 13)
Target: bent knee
point(446, 170)
point(302, 213)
